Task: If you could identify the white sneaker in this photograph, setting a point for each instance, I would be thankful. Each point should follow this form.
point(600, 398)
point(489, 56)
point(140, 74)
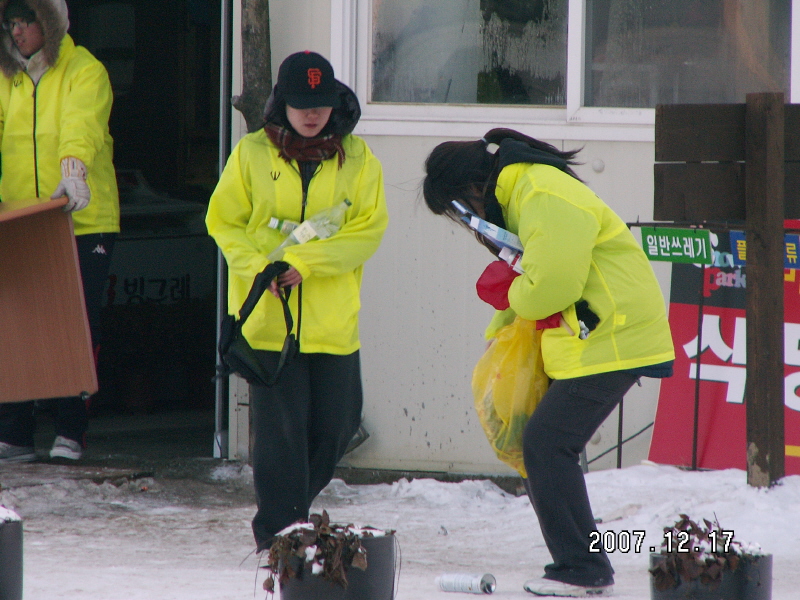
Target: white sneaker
point(16, 454)
point(66, 448)
point(549, 587)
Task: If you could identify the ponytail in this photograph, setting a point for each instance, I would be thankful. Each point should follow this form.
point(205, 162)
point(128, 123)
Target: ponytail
point(497, 135)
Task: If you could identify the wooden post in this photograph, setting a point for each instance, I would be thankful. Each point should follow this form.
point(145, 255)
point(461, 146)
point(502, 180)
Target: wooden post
point(764, 199)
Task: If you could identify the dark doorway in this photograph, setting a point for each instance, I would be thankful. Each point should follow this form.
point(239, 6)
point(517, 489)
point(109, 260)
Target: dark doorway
point(158, 343)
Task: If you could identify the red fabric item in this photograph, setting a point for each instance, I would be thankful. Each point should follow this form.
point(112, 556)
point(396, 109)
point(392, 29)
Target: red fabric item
point(550, 322)
point(493, 284)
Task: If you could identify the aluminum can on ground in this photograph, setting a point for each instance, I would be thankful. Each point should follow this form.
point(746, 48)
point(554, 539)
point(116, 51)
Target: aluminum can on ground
point(470, 583)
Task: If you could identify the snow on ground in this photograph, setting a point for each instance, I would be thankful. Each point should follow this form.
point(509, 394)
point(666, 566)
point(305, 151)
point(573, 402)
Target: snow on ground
point(169, 539)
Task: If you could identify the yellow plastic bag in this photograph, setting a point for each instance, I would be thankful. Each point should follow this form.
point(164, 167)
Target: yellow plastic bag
point(508, 382)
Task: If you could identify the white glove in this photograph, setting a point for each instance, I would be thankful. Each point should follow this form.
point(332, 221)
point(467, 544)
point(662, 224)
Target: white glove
point(73, 184)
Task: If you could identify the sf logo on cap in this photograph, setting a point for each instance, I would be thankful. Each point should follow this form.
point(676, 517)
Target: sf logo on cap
point(314, 77)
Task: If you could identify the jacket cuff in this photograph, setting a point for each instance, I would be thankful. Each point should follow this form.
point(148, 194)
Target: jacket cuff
point(298, 264)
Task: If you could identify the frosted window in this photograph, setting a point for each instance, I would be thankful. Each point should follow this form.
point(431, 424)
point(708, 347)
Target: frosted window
point(469, 51)
point(642, 53)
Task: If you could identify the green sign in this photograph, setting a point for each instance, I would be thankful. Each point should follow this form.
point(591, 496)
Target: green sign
point(677, 245)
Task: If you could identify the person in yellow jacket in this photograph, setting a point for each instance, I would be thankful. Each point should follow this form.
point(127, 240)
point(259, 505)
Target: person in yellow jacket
point(55, 102)
point(302, 161)
point(588, 284)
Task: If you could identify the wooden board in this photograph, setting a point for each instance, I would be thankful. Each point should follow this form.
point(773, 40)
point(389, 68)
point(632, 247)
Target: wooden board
point(699, 192)
point(45, 344)
point(699, 132)
point(714, 132)
point(700, 171)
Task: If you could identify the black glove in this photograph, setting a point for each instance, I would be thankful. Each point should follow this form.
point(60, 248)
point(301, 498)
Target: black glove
point(587, 318)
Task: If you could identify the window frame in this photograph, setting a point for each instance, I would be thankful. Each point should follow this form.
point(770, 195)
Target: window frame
point(351, 56)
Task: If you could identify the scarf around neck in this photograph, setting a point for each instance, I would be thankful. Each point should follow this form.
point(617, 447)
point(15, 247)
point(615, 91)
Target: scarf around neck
point(294, 147)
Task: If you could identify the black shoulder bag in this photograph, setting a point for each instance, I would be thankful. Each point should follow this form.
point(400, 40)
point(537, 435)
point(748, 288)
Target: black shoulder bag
point(235, 353)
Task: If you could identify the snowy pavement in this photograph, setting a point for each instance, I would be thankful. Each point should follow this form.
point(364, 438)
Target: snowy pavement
point(189, 539)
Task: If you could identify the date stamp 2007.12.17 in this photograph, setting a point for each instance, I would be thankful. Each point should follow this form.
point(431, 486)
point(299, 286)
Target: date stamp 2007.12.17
point(625, 541)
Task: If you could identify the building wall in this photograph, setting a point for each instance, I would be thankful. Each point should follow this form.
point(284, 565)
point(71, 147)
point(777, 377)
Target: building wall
point(421, 321)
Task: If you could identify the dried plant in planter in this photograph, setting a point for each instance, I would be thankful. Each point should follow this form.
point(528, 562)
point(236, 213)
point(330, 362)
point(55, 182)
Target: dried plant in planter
point(699, 552)
point(330, 549)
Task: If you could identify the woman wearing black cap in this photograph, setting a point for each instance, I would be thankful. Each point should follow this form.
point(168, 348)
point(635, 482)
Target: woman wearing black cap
point(302, 161)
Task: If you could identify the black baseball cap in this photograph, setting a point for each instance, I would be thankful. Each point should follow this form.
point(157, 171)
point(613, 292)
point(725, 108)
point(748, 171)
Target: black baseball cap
point(305, 79)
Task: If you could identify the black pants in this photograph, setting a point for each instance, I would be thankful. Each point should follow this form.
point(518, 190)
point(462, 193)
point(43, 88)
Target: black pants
point(17, 421)
point(302, 427)
point(557, 432)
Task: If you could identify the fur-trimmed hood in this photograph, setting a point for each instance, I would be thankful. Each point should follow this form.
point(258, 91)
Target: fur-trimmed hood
point(52, 15)
point(343, 119)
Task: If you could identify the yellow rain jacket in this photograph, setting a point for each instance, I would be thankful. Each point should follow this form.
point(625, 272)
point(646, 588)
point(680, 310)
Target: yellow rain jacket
point(257, 185)
point(576, 247)
point(65, 114)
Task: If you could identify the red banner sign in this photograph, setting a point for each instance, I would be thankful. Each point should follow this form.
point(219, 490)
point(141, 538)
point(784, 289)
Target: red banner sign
point(722, 440)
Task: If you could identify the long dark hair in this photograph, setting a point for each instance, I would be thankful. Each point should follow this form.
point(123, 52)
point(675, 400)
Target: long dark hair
point(468, 171)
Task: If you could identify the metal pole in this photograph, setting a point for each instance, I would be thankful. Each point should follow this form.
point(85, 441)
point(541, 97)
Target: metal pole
point(221, 385)
point(700, 305)
point(619, 436)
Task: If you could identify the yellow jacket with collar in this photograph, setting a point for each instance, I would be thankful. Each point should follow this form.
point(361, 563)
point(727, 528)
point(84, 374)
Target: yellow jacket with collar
point(576, 247)
point(257, 185)
point(65, 114)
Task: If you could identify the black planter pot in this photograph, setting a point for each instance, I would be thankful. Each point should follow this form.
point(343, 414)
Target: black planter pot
point(374, 583)
point(752, 580)
point(10, 560)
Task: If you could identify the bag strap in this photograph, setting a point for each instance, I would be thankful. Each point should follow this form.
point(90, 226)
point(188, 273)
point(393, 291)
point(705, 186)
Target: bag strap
point(231, 327)
point(260, 285)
